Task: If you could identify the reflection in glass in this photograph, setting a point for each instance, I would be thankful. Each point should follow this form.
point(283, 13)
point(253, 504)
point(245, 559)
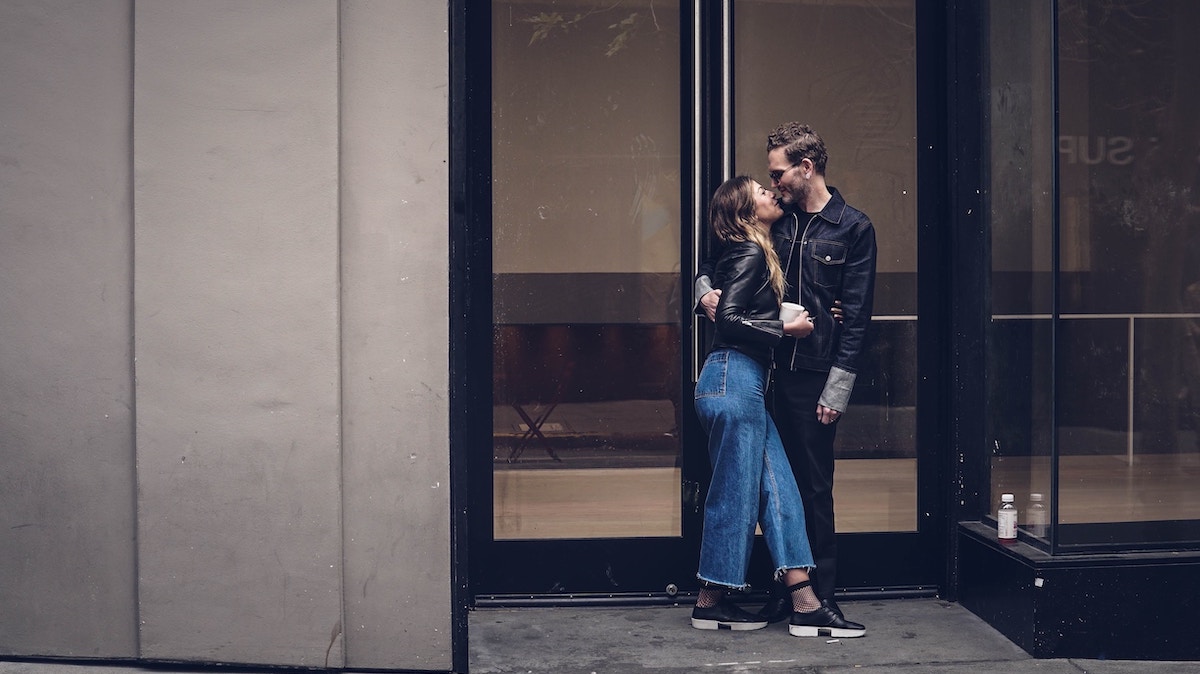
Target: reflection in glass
point(1020, 367)
point(585, 252)
point(1125, 369)
point(862, 100)
point(1129, 154)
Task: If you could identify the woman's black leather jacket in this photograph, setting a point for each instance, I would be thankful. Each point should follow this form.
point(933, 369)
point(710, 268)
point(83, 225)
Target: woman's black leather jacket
point(748, 313)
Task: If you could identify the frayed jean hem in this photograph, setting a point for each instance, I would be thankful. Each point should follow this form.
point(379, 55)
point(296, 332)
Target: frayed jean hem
point(706, 583)
point(781, 571)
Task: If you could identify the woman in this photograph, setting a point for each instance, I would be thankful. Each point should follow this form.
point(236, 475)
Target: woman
point(752, 482)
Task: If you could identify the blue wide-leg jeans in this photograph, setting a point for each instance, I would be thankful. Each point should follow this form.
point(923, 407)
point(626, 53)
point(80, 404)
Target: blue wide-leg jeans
point(752, 481)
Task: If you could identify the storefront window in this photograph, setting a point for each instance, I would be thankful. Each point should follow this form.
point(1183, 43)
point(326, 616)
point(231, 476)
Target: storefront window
point(1129, 154)
point(1116, 298)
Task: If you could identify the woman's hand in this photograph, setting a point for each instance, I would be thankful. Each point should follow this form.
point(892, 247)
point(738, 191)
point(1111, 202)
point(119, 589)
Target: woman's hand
point(799, 327)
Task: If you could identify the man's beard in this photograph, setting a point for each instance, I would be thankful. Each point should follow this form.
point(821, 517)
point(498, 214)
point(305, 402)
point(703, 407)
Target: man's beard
point(798, 197)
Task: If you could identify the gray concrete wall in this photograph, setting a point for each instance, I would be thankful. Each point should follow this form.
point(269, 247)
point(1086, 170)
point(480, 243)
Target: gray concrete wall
point(241, 206)
point(395, 385)
point(67, 571)
point(236, 330)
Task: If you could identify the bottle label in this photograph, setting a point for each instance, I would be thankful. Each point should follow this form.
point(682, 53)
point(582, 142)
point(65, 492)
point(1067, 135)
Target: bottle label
point(1006, 524)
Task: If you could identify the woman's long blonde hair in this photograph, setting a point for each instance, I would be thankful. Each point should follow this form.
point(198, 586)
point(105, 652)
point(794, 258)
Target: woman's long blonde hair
point(731, 214)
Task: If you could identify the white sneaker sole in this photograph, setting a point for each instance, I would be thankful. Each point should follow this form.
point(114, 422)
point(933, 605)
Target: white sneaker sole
point(726, 625)
point(832, 632)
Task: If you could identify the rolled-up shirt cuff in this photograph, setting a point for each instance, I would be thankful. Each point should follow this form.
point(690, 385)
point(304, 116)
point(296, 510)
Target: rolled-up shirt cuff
point(702, 287)
point(838, 387)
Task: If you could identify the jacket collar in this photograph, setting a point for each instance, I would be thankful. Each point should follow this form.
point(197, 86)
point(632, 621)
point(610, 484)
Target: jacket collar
point(836, 207)
point(833, 212)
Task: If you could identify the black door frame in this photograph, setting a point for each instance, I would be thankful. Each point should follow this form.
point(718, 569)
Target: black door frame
point(656, 569)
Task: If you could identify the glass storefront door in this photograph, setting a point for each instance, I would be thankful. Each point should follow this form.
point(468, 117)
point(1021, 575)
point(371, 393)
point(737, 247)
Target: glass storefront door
point(601, 160)
point(849, 70)
point(586, 341)
point(586, 267)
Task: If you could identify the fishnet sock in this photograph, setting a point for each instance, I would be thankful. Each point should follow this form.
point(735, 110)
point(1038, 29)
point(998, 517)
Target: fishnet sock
point(804, 600)
point(709, 596)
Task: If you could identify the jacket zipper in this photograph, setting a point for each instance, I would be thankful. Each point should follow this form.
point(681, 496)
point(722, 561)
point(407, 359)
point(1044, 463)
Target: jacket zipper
point(800, 276)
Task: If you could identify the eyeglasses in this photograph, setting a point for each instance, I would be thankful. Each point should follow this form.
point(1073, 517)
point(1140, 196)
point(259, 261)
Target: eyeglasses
point(776, 176)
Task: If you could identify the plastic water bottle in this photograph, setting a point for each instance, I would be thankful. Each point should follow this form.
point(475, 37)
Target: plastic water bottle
point(1038, 520)
point(1006, 519)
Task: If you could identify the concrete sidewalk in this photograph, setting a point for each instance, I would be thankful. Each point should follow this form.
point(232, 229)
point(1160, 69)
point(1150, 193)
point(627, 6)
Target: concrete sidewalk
point(908, 636)
point(904, 636)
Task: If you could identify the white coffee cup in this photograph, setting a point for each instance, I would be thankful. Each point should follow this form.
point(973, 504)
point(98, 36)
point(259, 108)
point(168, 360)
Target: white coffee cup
point(789, 311)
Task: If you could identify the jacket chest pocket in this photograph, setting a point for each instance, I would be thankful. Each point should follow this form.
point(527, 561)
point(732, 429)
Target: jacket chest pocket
point(827, 258)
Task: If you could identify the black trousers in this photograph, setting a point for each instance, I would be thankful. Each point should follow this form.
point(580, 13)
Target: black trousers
point(809, 447)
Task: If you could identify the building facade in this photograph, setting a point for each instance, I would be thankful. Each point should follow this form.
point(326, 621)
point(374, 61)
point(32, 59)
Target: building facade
point(326, 320)
point(225, 421)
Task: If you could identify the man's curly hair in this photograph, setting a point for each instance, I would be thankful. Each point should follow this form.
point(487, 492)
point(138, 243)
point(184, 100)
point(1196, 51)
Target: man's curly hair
point(799, 142)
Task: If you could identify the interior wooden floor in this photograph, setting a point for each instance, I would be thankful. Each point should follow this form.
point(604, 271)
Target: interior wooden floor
point(872, 495)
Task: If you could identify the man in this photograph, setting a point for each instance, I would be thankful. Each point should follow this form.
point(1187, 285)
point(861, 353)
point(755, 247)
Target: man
point(827, 249)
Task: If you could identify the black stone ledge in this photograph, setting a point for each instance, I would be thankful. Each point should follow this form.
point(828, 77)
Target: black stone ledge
point(1141, 605)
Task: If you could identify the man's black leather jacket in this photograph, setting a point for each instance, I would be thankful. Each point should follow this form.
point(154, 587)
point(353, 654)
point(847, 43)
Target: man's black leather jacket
point(748, 313)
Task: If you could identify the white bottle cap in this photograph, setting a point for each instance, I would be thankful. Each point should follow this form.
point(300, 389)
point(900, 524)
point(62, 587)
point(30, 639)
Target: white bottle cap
point(1006, 498)
point(1035, 496)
